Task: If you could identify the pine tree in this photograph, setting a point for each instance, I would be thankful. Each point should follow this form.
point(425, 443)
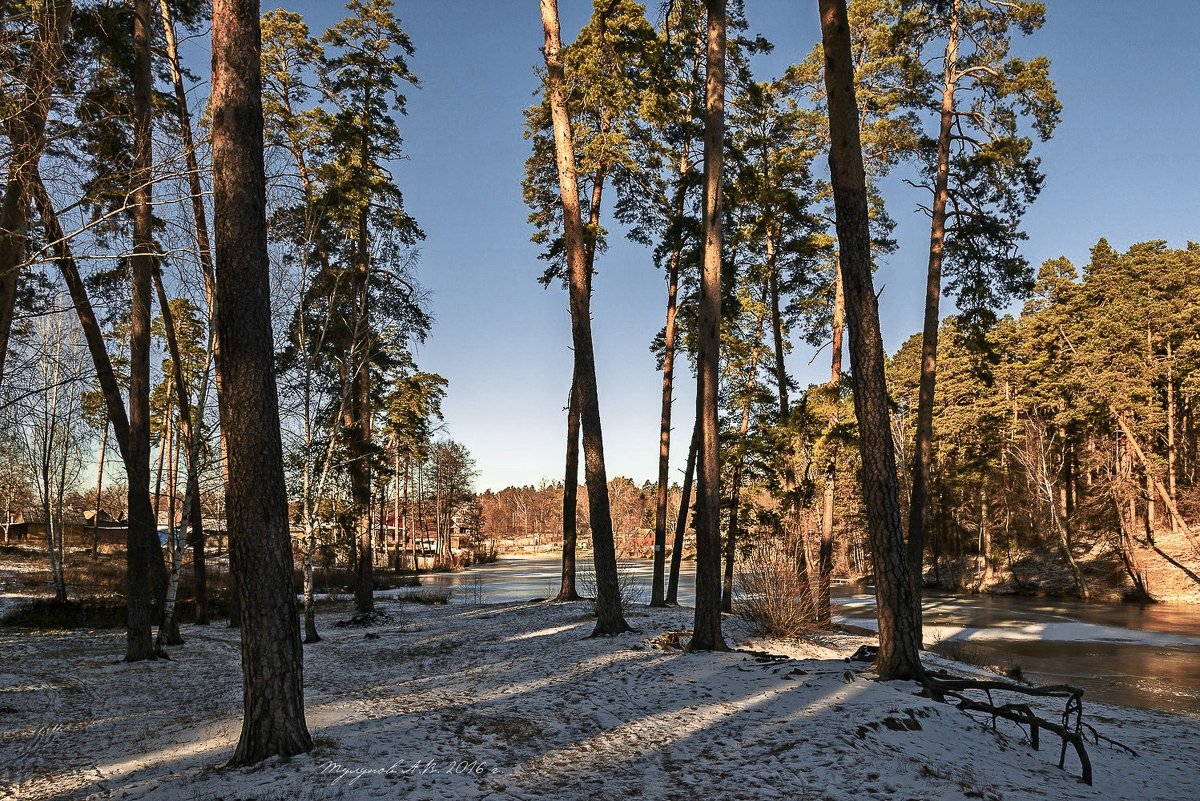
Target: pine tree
point(256, 496)
point(899, 644)
point(981, 176)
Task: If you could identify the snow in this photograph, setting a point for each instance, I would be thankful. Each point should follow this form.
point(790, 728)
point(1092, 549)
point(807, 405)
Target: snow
point(515, 701)
point(1061, 630)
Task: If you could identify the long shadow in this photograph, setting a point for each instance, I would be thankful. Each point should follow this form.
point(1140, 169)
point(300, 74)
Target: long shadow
point(618, 710)
point(1195, 578)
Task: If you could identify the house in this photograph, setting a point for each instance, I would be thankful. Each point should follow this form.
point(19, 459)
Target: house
point(16, 529)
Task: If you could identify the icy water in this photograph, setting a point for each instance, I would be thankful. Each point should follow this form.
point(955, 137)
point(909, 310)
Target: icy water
point(521, 578)
point(1142, 656)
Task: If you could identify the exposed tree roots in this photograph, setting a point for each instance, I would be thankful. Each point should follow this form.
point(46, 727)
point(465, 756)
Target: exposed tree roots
point(1071, 729)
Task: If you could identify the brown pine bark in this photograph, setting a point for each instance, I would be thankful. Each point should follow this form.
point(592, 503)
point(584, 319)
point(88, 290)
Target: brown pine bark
point(143, 545)
point(360, 472)
point(923, 447)
point(735, 491)
point(657, 596)
point(706, 630)
point(899, 642)
point(567, 590)
point(204, 252)
point(824, 612)
point(93, 336)
point(99, 490)
point(26, 134)
point(256, 495)
point(610, 618)
point(685, 501)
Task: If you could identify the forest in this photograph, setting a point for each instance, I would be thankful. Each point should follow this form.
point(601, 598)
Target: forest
point(221, 400)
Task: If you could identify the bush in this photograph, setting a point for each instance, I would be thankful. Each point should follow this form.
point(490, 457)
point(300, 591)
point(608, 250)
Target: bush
point(633, 592)
point(769, 594)
point(430, 597)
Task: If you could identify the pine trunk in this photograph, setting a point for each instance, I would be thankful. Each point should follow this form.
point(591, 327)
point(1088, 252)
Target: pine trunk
point(923, 447)
point(706, 631)
point(897, 608)
point(143, 547)
point(204, 251)
point(99, 490)
point(685, 502)
point(824, 612)
point(570, 519)
point(610, 618)
point(256, 495)
point(657, 589)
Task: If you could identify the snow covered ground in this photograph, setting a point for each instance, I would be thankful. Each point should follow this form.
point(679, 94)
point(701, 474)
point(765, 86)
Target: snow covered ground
point(515, 701)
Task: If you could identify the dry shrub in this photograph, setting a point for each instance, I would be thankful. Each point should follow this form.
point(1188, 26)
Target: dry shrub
point(432, 596)
point(769, 594)
point(633, 592)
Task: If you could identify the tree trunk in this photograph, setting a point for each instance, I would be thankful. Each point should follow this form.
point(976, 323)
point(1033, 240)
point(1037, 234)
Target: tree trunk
point(408, 518)
point(985, 535)
point(99, 490)
point(735, 491)
point(570, 520)
point(364, 598)
point(256, 495)
point(168, 630)
point(781, 377)
point(897, 608)
point(685, 501)
point(1172, 414)
point(143, 546)
point(657, 596)
point(145, 555)
point(657, 589)
point(823, 610)
point(923, 447)
point(204, 252)
point(611, 619)
point(706, 631)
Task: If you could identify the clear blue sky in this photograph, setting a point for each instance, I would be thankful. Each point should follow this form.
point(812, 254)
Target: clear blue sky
point(1123, 164)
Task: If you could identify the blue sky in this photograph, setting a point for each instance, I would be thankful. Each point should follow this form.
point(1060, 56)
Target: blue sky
point(1122, 164)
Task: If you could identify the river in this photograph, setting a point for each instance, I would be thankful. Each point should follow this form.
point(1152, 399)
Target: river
point(1144, 656)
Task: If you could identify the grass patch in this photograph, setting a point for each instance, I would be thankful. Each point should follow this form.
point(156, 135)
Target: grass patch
point(428, 597)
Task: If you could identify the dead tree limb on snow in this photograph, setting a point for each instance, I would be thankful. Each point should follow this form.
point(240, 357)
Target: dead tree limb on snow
point(1072, 731)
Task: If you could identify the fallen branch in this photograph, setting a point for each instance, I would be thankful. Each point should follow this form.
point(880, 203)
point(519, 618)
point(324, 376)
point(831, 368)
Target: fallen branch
point(1071, 730)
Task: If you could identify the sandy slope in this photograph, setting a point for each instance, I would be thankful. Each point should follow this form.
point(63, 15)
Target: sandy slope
point(516, 702)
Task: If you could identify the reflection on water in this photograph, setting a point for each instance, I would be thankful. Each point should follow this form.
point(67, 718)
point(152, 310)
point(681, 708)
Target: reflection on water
point(1142, 656)
point(522, 578)
point(1138, 655)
